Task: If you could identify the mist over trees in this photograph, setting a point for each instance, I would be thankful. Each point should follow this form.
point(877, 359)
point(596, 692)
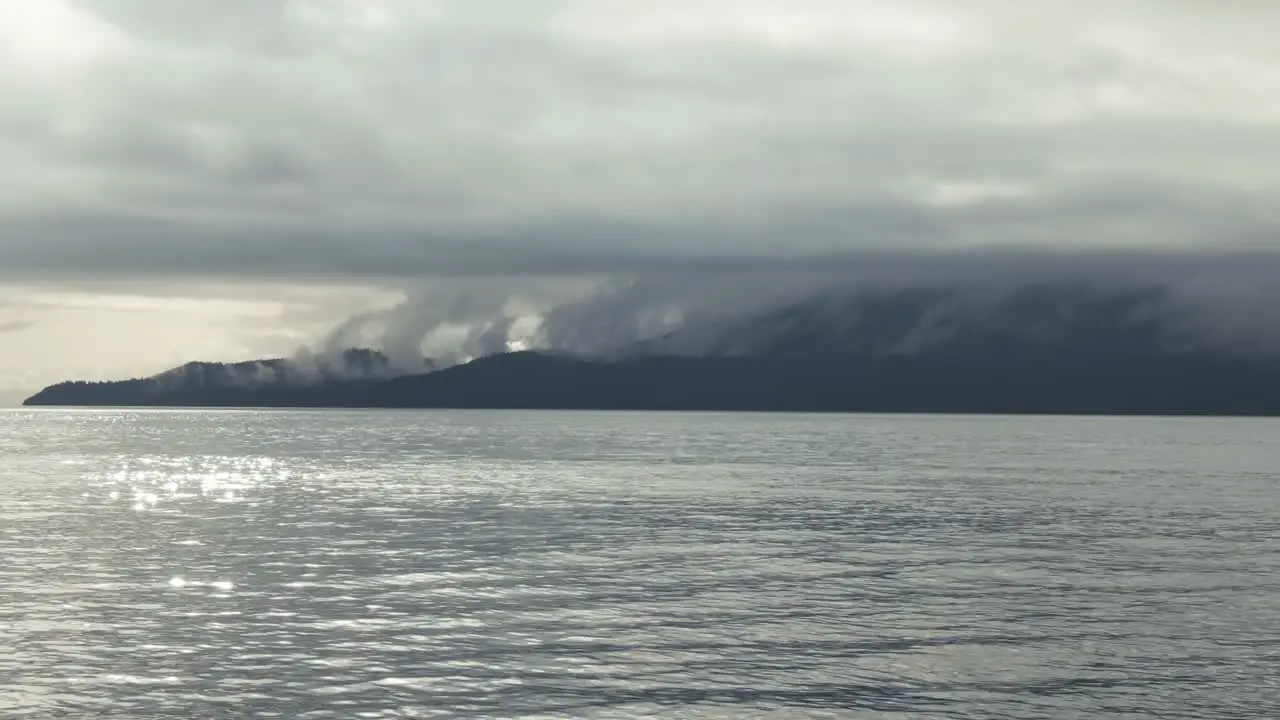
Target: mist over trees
point(1064, 346)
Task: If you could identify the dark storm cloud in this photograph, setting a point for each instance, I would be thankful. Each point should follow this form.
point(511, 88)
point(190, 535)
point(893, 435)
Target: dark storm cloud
point(412, 137)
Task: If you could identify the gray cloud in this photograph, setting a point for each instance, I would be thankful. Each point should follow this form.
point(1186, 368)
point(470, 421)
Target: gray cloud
point(416, 137)
point(13, 326)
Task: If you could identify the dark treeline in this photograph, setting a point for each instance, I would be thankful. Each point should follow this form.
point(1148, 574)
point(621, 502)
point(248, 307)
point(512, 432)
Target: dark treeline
point(1056, 349)
point(1180, 385)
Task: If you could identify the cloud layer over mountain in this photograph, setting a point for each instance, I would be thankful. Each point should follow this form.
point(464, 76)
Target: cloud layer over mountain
point(605, 166)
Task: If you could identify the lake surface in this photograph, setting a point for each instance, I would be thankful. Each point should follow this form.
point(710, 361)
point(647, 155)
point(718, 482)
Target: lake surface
point(433, 565)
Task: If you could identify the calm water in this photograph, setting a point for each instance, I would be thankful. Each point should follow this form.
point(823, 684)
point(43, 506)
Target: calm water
point(421, 565)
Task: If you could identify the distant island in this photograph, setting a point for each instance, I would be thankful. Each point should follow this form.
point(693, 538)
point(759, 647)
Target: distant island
point(1048, 349)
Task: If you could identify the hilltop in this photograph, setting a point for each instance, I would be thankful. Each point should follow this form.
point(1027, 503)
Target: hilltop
point(1066, 348)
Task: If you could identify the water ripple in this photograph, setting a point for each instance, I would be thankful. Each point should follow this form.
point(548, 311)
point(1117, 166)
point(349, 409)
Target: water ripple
point(437, 565)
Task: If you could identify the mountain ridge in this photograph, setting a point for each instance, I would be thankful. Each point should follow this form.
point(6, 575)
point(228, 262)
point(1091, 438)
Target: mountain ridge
point(1066, 349)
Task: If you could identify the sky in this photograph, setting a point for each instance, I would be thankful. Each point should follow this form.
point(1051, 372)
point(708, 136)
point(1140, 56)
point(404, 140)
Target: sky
point(191, 179)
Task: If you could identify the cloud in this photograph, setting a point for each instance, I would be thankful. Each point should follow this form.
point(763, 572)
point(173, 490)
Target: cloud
point(101, 329)
point(14, 326)
point(395, 138)
point(1227, 296)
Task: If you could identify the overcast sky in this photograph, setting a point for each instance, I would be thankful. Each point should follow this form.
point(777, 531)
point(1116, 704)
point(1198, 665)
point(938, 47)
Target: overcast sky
point(154, 154)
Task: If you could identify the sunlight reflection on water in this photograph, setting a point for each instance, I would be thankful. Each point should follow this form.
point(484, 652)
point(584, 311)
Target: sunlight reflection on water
point(186, 564)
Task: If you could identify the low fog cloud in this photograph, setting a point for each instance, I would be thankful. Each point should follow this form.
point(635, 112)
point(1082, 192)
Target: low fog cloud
point(1221, 298)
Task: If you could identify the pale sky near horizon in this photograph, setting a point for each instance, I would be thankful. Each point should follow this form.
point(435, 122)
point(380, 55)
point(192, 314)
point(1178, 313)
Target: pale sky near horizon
point(223, 180)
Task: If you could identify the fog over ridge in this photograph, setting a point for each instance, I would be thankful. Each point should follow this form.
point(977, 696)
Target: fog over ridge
point(1222, 300)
